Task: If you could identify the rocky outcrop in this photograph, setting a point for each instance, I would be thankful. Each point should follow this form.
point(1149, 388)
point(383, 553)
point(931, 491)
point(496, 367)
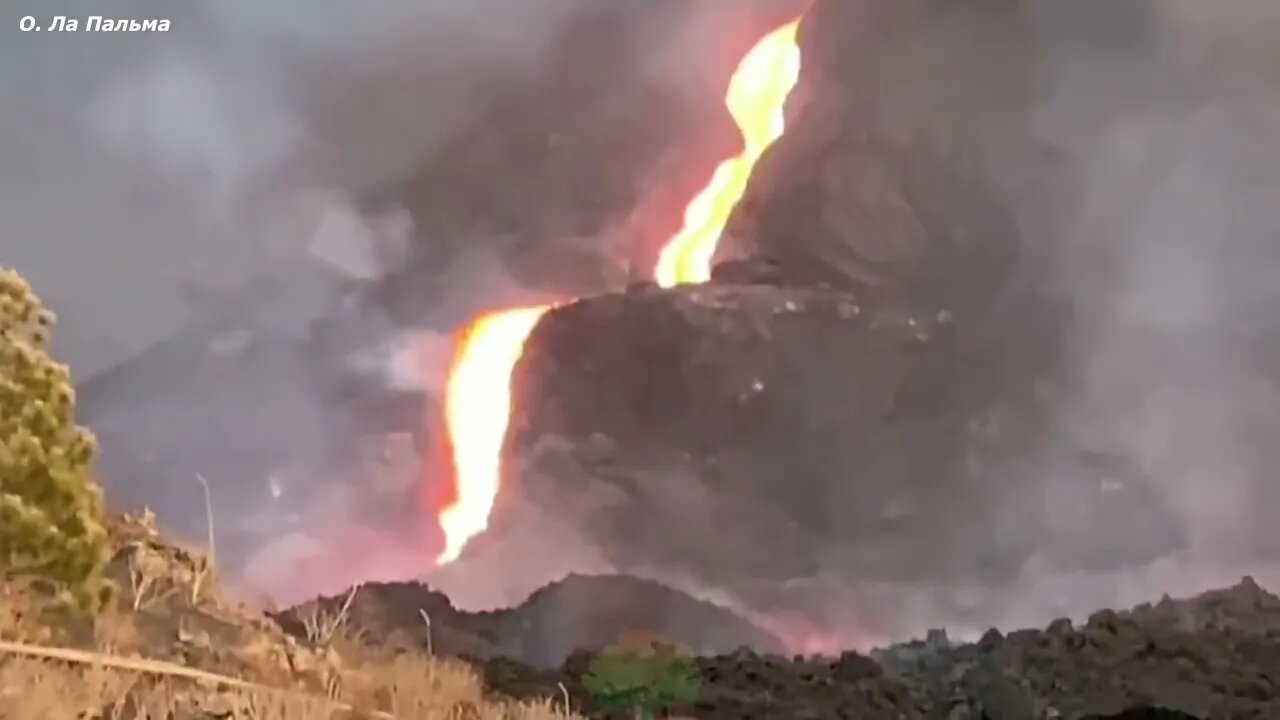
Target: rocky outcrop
point(750, 409)
point(763, 432)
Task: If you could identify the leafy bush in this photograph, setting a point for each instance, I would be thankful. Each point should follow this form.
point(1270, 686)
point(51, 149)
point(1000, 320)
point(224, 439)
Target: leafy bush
point(642, 674)
point(51, 511)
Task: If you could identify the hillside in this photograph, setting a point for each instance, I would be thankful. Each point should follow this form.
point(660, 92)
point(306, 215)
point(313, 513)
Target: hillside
point(172, 644)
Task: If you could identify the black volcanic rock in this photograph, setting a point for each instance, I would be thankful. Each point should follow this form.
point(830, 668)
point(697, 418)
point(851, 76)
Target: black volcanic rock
point(1147, 713)
point(731, 390)
point(739, 432)
point(399, 613)
point(577, 613)
point(591, 612)
point(1205, 657)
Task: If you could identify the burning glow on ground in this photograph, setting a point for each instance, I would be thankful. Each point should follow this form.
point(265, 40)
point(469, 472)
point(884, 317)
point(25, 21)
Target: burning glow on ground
point(478, 396)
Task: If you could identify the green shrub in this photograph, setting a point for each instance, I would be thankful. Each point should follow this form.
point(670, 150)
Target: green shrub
point(644, 676)
point(51, 510)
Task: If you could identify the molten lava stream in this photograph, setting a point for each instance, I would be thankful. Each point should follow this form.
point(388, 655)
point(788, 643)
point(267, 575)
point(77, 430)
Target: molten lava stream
point(756, 99)
point(478, 397)
point(477, 411)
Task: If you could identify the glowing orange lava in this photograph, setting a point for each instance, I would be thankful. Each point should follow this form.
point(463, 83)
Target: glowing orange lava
point(757, 95)
point(478, 396)
point(477, 410)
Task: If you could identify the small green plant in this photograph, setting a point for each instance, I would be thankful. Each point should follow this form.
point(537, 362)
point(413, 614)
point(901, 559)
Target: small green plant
point(51, 512)
point(642, 674)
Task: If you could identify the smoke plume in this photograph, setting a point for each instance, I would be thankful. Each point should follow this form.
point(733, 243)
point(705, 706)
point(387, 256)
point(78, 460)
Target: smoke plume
point(1144, 217)
point(1165, 255)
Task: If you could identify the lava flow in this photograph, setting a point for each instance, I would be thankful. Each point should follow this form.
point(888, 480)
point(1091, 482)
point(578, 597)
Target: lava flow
point(477, 409)
point(757, 96)
point(478, 397)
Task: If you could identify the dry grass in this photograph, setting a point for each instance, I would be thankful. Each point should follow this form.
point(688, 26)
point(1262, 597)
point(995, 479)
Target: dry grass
point(39, 682)
point(35, 687)
point(323, 625)
point(414, 686)
point(113, 674)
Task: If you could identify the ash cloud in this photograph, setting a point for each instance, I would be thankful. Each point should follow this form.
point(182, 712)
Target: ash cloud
point(1146, 221)
point(192, 205)
point(182, 159)
point(1149, 224)
point(1167, 258)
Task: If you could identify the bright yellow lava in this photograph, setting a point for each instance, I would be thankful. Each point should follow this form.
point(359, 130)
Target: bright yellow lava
point(757, 96)
point(477, 411)
point(478, 398)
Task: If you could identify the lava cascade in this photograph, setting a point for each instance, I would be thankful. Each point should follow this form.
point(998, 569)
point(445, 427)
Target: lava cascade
point(477, 410)
point(478, 395)
point(756, 99)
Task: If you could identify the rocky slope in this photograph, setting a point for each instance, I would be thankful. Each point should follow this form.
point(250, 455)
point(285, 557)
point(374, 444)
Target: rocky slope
point(1208, 657)
point(170, 608)
point(1212, 656)
point(172, 643)
point(577, 613)
point(756, 429)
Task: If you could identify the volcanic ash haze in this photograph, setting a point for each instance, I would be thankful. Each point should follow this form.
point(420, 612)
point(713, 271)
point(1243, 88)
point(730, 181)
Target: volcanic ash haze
point(1144, 216)
point(1168, 258)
